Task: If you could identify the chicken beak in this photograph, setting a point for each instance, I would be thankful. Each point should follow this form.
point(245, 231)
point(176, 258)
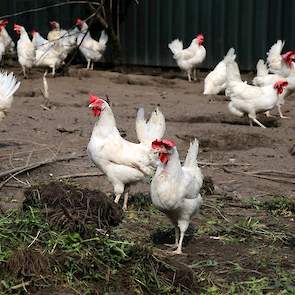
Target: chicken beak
point(90, 106)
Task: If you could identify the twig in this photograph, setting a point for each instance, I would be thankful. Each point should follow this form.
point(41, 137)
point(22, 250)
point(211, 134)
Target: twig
point(260, 176)
point(21, 285)
point(219, 212)
point(22, 169)
point(46, 7)
point(278, 172)
point(38, 233)
point(86, 174)
point(222, 164)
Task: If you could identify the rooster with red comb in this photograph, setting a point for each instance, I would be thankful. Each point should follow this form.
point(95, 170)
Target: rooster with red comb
point(122, 161)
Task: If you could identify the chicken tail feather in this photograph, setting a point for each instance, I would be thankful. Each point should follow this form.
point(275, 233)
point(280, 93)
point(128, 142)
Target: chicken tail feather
point(176, 47)
point(8, 85)
point(192, 153)
point(148, 131)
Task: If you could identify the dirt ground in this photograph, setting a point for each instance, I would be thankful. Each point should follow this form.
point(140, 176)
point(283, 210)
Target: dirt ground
point(30, 130)
point(230, 149)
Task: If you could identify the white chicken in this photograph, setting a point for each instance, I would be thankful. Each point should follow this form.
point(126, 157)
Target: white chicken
point(281, 64)
point(6, 39)
point(56, 33)
point(248, 99)
point(8, 86)
point(2, 46)
point(48, 54)
point(263, 78)
point(91, 49)
point(122, 161)
point(215, 81)
point(175, 189)
point(190, 58)
point(25, 49)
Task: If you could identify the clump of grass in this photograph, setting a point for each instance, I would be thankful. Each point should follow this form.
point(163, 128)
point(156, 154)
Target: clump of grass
point(278, 206)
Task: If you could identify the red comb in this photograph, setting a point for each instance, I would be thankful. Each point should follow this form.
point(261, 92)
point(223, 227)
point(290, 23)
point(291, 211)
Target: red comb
point(93, 98)
point(4, 23)
point(17, 27)
point(168, 144)
point(281, 84)
point(78, 21)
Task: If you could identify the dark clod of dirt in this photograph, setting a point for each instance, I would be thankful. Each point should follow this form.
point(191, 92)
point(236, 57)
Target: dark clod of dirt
point(27, 262)
point(167, 236)
point(207, 188)
point(72, 208)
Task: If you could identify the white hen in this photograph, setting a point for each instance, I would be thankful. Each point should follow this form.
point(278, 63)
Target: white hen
point(56, 33)
point(190, 58)
point(175, 190)
point(6, 39)
point(8, 86)
point(122, 161)
point(91, 49)
point(215, 81)
point(281, 64)
point(48, 54)
point(25, 49)
point(250, 100)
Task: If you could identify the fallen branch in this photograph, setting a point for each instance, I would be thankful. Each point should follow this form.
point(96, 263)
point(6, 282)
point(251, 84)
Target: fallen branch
point(18, 170)
point(222, 164)
point(276, 172)
point(86, 174)
point(260, 176)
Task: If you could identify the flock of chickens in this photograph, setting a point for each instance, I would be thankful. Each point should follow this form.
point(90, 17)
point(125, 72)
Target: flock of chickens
point(175, 187)
point(275, 79)
point(53, 51)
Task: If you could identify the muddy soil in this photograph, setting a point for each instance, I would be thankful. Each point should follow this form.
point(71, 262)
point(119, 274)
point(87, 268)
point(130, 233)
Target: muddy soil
point(32, 132)
point(230, 149)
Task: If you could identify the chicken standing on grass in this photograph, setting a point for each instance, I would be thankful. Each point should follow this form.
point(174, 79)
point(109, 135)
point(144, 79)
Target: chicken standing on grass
point(91, 49)
point(8, 86)
point(25, 49)
point(250, 100)
point(175, 189)
point(122, 161)
point(190, 58)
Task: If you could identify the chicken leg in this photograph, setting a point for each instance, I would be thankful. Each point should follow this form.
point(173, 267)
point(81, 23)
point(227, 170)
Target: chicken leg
point(175, 245)
point(253, 117)
point(189, 76)
point(268, 114)
point(183, 225)
point(88, 64)
point(24, 72)
point(281, 113)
